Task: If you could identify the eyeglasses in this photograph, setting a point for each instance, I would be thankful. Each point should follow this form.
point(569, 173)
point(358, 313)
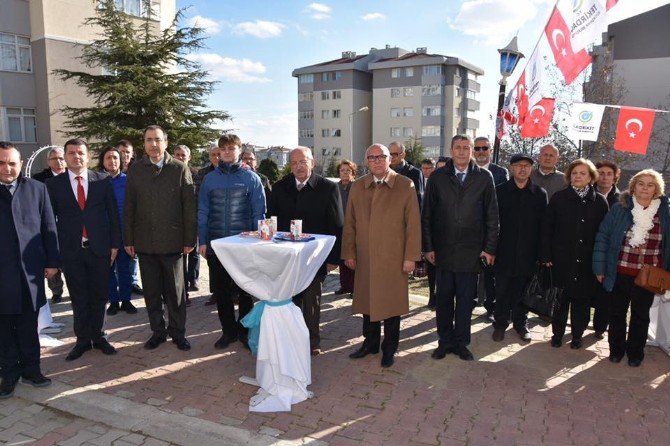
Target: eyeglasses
point(58, 158)
point(248, 159)
point(395, 154)
point(481, 148)
point(372, 158)
point(303, 163)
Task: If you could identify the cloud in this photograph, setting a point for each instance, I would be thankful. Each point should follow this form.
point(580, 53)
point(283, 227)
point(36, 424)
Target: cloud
point(231, 70)
point(373, 16)
point(210, 26)
point(266, 128)
point(319, 11)
point(259, 28)
point(494, 20)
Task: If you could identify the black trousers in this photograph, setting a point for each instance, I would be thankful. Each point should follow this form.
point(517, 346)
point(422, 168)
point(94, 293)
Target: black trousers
point(87, 279)
point(508, 305)
point(163, 282)
point(19, 342)
point(601, 314)
point(626, 293)
point(580, 313)
point(490, 287)
point(56, 284)
point(192, 263)
point(455, 299)
point(309, 302)
point(372, 333)
point(224, 289)
point(430, 272)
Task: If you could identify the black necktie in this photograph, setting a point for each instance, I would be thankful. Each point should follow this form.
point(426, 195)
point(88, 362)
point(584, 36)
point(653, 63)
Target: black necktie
point(9, 188)
point(461, 176)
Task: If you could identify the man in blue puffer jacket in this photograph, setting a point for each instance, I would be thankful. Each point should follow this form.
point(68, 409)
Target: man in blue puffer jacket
point(231, 200)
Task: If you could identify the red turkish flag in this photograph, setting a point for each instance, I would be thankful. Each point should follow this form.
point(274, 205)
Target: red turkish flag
point(521, 98)
point(610, 4)
point(634, 129)
point(538, 119)
point(558, 36)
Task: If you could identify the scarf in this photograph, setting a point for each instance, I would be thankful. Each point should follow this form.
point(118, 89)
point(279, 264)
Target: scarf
point(643, 221)
point(581, 192)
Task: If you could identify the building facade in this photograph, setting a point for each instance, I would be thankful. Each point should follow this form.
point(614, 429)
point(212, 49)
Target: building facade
point(387, 95)
point(37, 37)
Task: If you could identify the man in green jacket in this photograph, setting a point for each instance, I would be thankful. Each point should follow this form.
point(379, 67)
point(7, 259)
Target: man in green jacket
point(160, 226)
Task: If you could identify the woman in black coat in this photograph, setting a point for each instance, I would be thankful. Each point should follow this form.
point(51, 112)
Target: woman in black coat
point(568, 235)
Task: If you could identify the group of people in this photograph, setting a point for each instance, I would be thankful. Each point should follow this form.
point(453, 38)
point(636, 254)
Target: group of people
point(464, 215)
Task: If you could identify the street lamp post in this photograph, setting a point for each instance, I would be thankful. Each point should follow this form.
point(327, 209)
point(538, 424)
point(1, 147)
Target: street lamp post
point(351, 130)
point(509, 58)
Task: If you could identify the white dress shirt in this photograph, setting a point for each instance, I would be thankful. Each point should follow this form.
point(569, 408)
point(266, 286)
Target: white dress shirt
point(74, 183)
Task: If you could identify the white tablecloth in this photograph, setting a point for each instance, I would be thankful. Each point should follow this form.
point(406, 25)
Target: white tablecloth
point(276, 271)
point(659, 324)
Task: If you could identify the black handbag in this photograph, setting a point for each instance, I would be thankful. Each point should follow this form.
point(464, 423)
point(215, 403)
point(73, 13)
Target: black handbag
point(540, 295)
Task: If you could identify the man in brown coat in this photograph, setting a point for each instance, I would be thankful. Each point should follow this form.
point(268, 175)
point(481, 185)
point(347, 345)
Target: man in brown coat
point(381, 240)
point(160, 226)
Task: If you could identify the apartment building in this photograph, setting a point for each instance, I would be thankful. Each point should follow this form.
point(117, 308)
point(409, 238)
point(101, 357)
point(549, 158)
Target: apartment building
point(37, 37)
point(386, 95)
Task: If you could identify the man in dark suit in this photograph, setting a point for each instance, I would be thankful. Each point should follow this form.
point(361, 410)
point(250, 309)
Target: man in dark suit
point(89, 237)
point(159, 220)
point(28, 253)
point(482, 153)
point(309, 197)
point(56, 166)
point(399, 165)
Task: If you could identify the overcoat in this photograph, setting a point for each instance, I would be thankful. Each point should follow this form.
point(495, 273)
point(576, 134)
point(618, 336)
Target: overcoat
point(568, 236)
point(382, 228)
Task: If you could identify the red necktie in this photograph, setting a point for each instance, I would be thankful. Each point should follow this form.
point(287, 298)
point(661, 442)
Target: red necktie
point(81, 199)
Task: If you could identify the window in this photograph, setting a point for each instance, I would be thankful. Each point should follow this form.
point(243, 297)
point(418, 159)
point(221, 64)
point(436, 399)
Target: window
point(409, 71)
point(325, 114)
point(336, 133)
point(472, 75)
point(306, 79)
point(331, 76)
point(432, 110)
point(325, 133)
point(305, 97)
point(395, 132)
point(407, 132)
point(431, 90)
point(408, 112)
point(472, 94)
point(325, 95)
point(337, 94)
point(324, 77)
point(431, 130)
point(337, 151)
point(309, 114)
point(336, 114)
point(402, 72)
point(307, 133)
point(432, 70)
point(15, 53)
point(395, 72)
point(134, 7)
point(432, 151)
point(395, 92)
point(470, 132)
point(21, 124)
point(337, 75)
point(395, 112)
point(408, 91)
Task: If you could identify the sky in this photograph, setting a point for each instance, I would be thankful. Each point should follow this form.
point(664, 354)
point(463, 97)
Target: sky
point(253, 46)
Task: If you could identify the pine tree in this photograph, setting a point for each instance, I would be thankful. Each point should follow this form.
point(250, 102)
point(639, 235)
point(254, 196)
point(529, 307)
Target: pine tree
point(137, 75)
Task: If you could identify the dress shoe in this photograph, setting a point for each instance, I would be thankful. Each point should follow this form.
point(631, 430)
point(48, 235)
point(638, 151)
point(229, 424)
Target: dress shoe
point(35, 379)
point(556, 343)
point(182, 343)
point(498, 334)
point(77, 351)
point(524, 334)
point(599, 334)
point(56, 298)
point(465, 354)
point(489, 317)
point(7, 388)
point(340, 291)
point(441, 351)
point(211, 301)
point(194, 287)
point(154, 341)
point(135, 288)
point(104, 346)
point(387, 360)
point(576, 344)
point(634, 362)
point(615, 358)
point(112, 309)
point(224, 341)
point(363, 352)
point(187, 300)
point(128, 307)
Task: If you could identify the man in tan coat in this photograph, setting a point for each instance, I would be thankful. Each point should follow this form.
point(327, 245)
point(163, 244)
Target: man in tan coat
point(381, 240)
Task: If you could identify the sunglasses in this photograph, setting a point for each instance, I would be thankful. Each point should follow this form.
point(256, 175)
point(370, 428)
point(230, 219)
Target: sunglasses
point(481, 148)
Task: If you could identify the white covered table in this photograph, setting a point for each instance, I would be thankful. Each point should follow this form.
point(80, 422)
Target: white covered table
point(273, 272)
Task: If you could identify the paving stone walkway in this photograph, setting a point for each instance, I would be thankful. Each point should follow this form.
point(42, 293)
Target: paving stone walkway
point(514, 393)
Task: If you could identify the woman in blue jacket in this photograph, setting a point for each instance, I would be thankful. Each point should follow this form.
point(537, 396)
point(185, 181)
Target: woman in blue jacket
point(634, 233)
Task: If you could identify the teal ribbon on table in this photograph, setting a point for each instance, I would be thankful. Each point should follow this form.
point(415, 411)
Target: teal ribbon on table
point(253, 320)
